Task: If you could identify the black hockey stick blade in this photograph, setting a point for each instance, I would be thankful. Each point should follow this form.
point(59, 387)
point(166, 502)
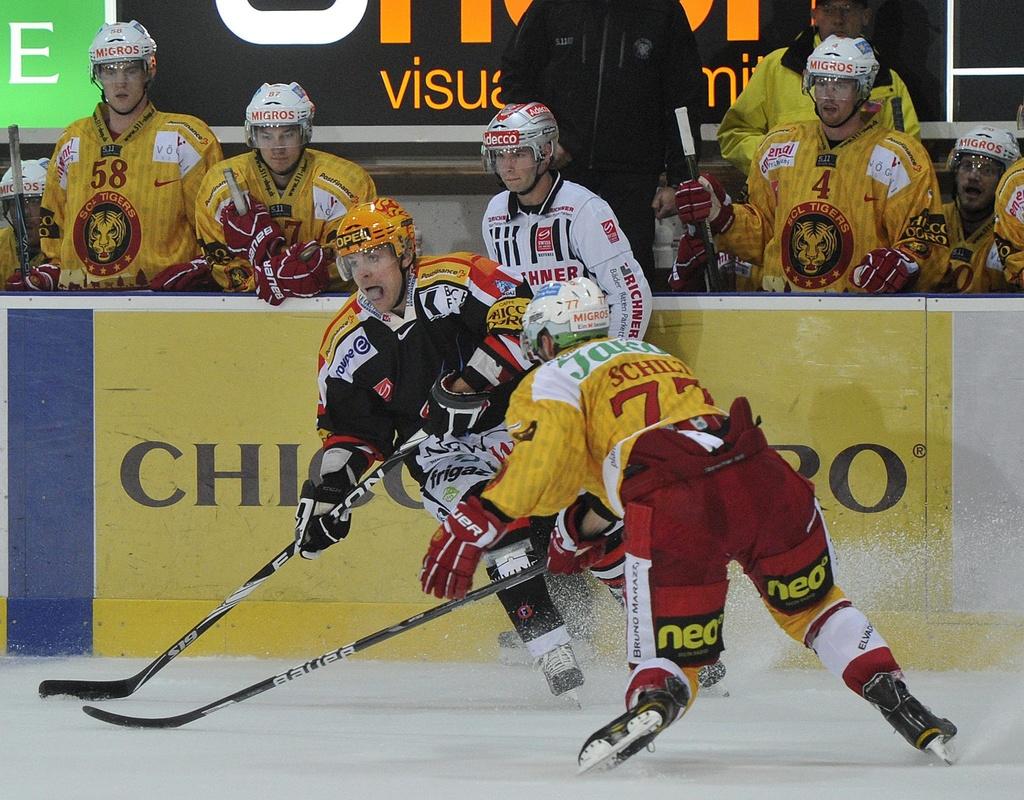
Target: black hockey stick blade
point(126, 721)
point(116, 689)
point(112, 690)
point(20, 226)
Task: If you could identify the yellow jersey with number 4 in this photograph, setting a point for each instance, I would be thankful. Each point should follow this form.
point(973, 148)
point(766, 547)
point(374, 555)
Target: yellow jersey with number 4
point(322, 190)
point(574, 421)
point(815, 210)
point(116, 212)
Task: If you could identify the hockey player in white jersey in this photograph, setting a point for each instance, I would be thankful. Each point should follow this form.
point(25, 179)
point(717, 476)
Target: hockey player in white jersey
point(546, 228)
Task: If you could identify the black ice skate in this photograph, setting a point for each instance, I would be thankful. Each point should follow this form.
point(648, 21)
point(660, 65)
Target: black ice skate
point(626, 735)
point(710, 677)
point(915, 723)
point(562, 672)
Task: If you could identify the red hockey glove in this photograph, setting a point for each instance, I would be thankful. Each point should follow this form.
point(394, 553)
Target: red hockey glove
point(193, 276)
point(289, 275)
point(568, 551)
point(456, 548)
point(691, 261)
point(453, 413)
point(705, 199)
point(44, 278)
point(254, 235)
point(884, 271)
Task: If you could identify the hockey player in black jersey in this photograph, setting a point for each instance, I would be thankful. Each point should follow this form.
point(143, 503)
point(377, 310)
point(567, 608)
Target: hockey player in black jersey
point(433, 343)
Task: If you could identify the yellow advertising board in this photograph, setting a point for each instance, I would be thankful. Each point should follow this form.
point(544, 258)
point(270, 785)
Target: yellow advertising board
point(205, 427)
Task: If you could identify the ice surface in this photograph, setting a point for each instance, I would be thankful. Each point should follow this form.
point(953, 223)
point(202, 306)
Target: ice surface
point(366, 730)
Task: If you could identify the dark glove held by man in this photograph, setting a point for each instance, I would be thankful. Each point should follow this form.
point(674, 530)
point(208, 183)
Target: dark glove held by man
point(315, 528)
point(453, 413)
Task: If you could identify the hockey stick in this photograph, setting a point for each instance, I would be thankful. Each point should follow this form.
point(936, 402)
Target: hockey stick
point(20, 227)
point(712, 277)
point(320, 661)
point(110, 690)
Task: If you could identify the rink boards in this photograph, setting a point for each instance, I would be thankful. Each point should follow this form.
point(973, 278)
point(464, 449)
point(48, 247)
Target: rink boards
point(153, 449)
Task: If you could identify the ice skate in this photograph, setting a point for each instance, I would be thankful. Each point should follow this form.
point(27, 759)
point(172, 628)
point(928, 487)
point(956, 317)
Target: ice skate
point(711, 680)
point(629, 733)
point(562, 672)
point(915, 723)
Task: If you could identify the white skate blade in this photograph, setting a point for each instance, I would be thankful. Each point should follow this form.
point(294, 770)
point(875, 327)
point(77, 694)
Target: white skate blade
point(943, 749)
point(600, 753)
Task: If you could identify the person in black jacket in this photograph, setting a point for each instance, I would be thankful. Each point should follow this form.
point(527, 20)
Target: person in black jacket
point(613, 72)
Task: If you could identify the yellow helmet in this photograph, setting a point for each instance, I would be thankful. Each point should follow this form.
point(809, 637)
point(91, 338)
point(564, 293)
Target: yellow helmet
point(370, 225)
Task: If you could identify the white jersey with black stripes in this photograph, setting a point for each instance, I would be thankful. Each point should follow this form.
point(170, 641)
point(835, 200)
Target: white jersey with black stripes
point(572, 233)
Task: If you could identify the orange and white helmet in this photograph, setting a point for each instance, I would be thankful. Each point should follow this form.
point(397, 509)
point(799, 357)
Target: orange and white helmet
point(280, 105)
point(118, 42)
point(33, 179)
point(998, 144)
point(368, 226)
point(841, 58)
point(520, 125)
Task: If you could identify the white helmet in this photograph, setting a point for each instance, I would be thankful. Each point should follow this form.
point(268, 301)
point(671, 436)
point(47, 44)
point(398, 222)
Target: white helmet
point(995, 143)
point(520, 125)
point(570, 313)
point(33, 179)
point(122, 41)
point(280, 104)
point(838, 57)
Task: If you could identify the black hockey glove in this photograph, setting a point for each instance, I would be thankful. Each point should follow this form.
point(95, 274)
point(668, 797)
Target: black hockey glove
point(315, 528)
point(453, 413)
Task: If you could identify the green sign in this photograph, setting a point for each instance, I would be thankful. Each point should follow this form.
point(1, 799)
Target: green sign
point(44, 60)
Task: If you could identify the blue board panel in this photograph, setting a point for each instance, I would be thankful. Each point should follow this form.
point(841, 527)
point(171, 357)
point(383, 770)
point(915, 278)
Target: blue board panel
point(51, 506)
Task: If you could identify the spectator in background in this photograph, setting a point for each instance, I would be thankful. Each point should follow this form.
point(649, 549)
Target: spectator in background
point(612, 72)
point(976, 162)
point(773, 96)
point(33, 176)
point(836, 205)
point(279, 248)
point(121, 186)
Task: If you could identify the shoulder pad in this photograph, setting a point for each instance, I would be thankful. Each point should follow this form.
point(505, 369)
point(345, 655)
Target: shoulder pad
point(455, 269)
point(197, 129)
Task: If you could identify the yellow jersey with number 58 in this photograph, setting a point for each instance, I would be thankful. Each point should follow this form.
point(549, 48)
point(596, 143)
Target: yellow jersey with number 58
point(816, 209)
point(574, 421)
point(322, 190)
point(116, 211)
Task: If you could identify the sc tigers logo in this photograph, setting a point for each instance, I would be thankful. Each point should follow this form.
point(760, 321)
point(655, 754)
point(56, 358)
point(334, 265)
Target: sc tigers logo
point(107, 234)
point(816, 243)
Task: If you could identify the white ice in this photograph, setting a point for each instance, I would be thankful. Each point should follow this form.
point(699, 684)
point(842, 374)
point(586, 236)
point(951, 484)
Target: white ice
point(363, 730)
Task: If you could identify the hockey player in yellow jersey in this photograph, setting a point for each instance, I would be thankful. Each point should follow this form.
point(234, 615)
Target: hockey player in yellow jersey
point(1009, 225)
point(611, 429)
point(296, 194)
point(976, 162)
point(33, 177)
point(837, 205)
point(121, 187)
